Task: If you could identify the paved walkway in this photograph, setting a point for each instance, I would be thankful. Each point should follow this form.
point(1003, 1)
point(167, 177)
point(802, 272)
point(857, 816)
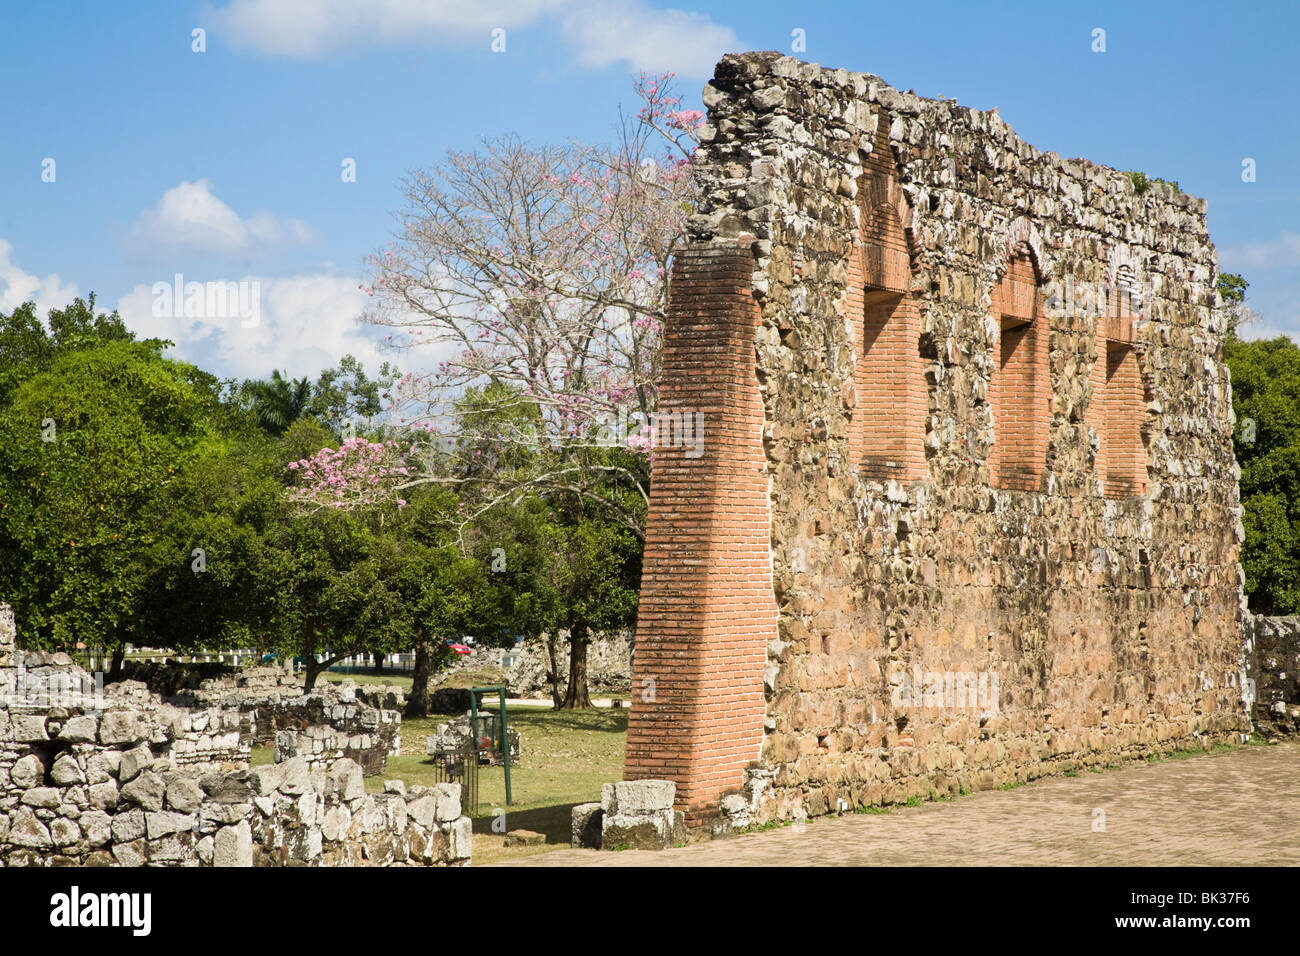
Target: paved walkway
point(1236, 808)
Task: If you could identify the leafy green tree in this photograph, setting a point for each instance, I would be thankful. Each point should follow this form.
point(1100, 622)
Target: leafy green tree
point(88, 443)
point(1266, 399)
point(345, 393)
point(28, 345)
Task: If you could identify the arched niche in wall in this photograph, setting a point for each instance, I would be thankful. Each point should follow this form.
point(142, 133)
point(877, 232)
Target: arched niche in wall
point(887, 432)
point(1117, 408)
point(1020, 388)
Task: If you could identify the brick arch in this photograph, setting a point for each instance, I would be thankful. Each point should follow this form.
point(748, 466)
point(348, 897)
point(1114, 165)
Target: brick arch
point(1020, 388)
point(1023, 237)
point(1120, 385)
point(887, 429)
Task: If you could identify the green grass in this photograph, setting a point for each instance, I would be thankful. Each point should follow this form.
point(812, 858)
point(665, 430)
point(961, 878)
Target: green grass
point(763, 827)
point(565, 757)
point(366, 677)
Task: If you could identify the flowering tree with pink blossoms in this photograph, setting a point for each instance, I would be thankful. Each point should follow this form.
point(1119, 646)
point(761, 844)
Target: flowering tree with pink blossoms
point(358, 474)
point(538, 278)
point(543, 270)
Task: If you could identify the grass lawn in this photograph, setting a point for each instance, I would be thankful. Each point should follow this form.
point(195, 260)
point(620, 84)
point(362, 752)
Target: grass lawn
point(565, 757)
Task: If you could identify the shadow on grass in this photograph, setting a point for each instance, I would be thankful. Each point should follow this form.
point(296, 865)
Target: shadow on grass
point(555, 822)
point(605, 721)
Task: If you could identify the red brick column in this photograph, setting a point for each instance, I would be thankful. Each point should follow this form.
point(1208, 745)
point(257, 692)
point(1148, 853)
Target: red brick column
point(707, 606)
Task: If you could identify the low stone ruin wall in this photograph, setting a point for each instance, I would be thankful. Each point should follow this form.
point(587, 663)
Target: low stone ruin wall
point(115, 776)
point(170, 678)
point(332, 722)
point(609, 667)
point(1275, 669)
point(323, 729)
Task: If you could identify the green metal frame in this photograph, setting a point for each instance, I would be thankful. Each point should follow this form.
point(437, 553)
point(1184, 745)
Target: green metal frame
point(500, 691)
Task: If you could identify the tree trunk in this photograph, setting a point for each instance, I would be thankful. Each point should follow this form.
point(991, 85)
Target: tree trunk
point(315, 668)
point(377, 660)
point(417, 703)
point(576, 697)
point(553, 675)
point(115, 668)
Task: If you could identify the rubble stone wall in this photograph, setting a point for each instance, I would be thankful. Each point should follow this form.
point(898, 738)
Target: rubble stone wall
point(1275, 669)
point(113, 776)
point(334, 721)
point(816, 602)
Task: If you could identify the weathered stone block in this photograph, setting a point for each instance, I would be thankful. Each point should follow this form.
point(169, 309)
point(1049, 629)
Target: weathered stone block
point(345, 780)
point(97, 827)
point(66, 771)
point(587, 821)
point(128, 827)
point(26, 830)
point(460, 834)
point(184, 794)
point(29, 729)
point(27, 772)
point(146, 790)
point(133, 761)
point(80, 730)
point(164, 822)
point(47, 797)
point(631, 797)
point(447, 796)
point(233, 846)
point(122, 727)
point(131, 854)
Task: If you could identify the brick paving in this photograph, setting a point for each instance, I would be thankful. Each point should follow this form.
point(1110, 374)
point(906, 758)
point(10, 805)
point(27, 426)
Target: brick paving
point(1236, 808)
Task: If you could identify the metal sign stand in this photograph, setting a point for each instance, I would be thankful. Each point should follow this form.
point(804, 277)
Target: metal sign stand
point(500, 691)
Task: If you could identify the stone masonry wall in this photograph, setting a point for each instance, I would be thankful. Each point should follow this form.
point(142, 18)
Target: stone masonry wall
point(102, 777)
point(816, 601)
point(1275, 669)
point(334, 721)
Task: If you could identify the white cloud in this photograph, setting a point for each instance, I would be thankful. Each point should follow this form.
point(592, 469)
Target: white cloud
point(18, 286)
point(1277, 253)
point(601, 34)
point(605, 34)
point(191, 218)
point(304, 323)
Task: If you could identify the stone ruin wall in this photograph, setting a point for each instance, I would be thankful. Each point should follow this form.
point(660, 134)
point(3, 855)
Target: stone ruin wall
point(360, 722)
point(122, 778)
point(926, 451)
point(1275, 670)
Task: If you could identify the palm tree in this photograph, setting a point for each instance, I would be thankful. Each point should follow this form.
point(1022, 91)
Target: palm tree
point(277, 402)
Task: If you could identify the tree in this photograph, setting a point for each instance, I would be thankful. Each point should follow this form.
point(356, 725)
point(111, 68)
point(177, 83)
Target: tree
point(346, 393)
point(276, 402)
point(1266, 399)
point(1232, 292)
point(596, 572)
point(547, 268)
point(87, 447)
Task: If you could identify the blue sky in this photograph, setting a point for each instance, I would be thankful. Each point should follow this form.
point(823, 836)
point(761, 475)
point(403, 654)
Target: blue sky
point(225, 164)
